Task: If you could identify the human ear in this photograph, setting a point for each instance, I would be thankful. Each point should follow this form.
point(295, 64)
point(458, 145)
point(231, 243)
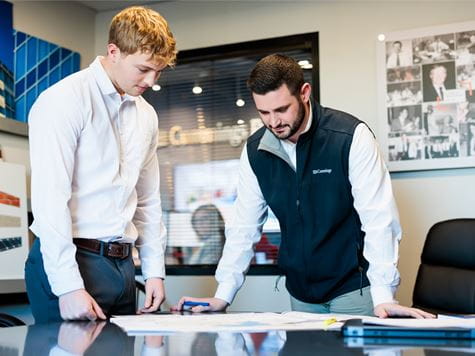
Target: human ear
point(305, 92)
point(113, 52)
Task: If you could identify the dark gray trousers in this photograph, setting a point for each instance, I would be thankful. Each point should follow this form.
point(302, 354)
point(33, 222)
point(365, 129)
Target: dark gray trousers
point(110, 281)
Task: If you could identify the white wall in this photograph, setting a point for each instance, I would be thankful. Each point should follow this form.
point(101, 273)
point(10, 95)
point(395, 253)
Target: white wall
point(348, 32)
point(64, 23)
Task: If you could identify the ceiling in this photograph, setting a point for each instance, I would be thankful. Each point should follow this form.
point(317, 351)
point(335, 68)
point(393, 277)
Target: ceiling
point(115, 5)
point(107, 5)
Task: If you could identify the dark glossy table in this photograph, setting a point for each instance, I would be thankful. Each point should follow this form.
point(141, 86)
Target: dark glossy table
point(78, 338)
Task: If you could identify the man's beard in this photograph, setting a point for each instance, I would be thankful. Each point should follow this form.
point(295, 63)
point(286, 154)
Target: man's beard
point(294, 127)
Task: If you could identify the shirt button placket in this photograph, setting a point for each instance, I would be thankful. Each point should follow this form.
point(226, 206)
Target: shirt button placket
point(122, 151)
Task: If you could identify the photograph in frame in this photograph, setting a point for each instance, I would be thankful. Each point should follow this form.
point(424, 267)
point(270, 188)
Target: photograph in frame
point(426, 97)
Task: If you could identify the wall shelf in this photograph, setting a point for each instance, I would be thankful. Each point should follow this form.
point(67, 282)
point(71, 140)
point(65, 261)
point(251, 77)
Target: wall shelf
point(13, 127)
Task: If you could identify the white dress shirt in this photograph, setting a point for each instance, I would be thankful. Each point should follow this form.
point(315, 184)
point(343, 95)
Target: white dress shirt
point(439, 46)
point(404, 60)
point(94, 174)
point(441, 91)
point(373, 200)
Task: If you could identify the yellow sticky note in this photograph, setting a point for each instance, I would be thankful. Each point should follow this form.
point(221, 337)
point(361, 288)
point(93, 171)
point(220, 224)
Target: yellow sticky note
point(330, 321)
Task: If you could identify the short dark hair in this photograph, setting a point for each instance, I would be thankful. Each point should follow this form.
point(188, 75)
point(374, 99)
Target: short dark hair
point(272, 71)
point(212, 217)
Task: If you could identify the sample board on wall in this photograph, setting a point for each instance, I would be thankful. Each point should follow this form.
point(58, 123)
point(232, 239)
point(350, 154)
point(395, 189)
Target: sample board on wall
point(13, 221)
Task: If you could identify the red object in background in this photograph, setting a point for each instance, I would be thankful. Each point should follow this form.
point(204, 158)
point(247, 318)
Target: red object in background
point(269, 249)
point(178, 255)
point(9, 199)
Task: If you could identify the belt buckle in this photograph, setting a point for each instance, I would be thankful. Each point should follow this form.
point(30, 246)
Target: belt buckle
point(124, 248)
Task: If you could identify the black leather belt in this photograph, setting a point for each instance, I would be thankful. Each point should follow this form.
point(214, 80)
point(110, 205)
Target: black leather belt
point(109, 249)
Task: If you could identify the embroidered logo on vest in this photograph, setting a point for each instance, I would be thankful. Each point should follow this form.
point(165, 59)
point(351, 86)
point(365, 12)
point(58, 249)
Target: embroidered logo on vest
point(321, 171)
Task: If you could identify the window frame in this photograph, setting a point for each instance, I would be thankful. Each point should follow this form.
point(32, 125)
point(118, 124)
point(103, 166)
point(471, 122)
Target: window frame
point(306, 41)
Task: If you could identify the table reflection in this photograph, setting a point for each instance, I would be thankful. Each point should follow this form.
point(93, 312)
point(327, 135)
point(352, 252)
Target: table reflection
point(104, 338)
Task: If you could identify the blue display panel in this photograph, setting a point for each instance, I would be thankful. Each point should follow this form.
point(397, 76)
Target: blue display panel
point(38, 65)
point(7, 100)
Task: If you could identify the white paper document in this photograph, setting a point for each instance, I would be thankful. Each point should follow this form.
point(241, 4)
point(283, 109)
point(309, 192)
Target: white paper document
point(232, 322)
point(262, 322)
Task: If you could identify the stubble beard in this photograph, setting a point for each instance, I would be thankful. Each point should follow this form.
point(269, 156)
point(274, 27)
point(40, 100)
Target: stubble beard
point(294, 127)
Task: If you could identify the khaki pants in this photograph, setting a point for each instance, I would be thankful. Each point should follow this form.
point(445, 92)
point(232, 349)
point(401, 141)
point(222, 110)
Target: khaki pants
point(349, 303)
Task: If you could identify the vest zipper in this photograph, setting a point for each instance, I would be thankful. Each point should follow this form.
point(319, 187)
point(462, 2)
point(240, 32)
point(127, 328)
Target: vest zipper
point(361, 279)
point(360, 267)
point(276, 285)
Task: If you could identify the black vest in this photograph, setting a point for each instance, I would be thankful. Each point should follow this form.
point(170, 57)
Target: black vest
point(322, 240)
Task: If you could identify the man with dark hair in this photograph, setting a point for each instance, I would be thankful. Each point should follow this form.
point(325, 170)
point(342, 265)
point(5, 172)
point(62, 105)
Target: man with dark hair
point(273, 71)
point(402, 122)
point(435, 87)
point(398, 57)
point(321, 173)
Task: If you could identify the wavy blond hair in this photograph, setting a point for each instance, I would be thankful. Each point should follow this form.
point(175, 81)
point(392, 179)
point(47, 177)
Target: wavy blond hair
point(141, 29)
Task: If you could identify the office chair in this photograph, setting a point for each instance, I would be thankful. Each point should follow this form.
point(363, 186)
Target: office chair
point(445, 281)
point(8, 320)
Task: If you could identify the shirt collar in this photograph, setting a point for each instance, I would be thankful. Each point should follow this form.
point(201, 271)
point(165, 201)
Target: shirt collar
point(103, 80)
point(310, 118)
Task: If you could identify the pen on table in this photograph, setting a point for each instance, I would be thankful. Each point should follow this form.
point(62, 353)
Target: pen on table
point(189, 304)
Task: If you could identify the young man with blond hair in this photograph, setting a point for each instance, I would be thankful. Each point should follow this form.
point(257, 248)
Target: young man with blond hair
point(95, 179)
